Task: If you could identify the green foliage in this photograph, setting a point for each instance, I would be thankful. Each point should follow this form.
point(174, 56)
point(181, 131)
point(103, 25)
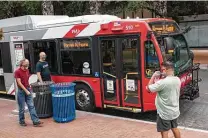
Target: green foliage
point(19, 8)
point(76, 8)
point(185, 8)
point(112, 7)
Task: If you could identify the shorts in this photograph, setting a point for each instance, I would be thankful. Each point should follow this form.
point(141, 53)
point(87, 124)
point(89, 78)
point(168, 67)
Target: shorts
point(165, 125)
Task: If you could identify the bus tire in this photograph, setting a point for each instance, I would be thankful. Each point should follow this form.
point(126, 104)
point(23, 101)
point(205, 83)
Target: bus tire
point(84, 98)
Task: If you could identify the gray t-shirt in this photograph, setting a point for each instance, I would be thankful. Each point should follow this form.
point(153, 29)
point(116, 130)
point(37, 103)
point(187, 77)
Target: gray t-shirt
point(167, 99)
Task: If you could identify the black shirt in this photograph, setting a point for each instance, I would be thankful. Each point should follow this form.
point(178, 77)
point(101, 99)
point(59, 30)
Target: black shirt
point(43, 68)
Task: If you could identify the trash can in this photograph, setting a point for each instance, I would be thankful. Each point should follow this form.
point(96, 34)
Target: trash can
point(63, 96)
point(42, 98)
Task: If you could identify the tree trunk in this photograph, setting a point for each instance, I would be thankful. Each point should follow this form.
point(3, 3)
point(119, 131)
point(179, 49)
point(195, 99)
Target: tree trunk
point(47, 7)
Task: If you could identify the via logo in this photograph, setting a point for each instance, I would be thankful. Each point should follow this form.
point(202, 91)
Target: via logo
point(75, 31)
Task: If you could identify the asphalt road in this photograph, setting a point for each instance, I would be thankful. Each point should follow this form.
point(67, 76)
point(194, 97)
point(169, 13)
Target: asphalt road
point(194, 114)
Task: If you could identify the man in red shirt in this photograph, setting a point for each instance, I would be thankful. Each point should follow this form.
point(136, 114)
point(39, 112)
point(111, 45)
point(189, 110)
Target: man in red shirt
point(24, 94)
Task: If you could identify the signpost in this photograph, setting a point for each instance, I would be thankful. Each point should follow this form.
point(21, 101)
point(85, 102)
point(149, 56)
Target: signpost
point(17, 49)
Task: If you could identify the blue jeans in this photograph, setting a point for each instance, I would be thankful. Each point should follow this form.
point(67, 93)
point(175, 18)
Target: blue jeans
point(22, 97)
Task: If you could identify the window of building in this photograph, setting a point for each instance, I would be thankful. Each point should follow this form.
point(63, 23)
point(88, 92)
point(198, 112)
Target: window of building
point(76, 57)
point(151, 59)
point(49, 47)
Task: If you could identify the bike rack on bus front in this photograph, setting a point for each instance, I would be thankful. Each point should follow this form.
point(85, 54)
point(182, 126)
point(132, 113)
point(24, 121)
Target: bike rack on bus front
point(191, 91)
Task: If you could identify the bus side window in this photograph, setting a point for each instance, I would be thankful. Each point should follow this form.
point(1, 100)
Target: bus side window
point(151, 59)
point(76, 57)
point(49, 47)
point(27, 53)
point(1, 59)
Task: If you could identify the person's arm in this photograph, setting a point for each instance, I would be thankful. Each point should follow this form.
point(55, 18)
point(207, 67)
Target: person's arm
point(38, 71)
point(151, 80)
point(157, 86)
point(19, 83)
point(39, 77)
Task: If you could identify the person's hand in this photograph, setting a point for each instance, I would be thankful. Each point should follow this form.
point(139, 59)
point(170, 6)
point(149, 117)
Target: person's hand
point(27, 92)
point(40, 83)
point(156, 74)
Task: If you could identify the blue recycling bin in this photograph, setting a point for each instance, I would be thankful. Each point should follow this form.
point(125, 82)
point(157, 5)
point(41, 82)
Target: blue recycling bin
point(63, 101)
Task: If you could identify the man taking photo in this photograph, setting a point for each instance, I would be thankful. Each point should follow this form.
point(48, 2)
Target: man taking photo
point(42, 69)
point(167, 99)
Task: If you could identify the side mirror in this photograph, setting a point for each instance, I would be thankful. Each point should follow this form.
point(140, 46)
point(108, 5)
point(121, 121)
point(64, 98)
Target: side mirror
point(192, 55)
point(169, 44)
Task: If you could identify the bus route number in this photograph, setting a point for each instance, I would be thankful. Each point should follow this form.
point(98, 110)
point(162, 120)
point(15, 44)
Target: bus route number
point(129, 27)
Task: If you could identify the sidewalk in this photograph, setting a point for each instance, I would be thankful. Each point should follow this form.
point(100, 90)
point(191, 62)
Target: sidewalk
point(87, 125)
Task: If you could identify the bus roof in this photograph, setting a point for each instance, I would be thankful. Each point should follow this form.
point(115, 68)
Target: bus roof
point(32, 22)
point(37, 27)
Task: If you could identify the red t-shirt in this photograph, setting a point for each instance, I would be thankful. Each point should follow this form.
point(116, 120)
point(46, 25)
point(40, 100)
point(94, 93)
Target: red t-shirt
point(23, 75)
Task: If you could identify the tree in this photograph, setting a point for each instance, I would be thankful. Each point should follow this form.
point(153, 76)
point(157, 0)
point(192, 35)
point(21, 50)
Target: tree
point(19, 8)
point(112, 7)
point(182, 8)
point(47, 7)
point(94, 6)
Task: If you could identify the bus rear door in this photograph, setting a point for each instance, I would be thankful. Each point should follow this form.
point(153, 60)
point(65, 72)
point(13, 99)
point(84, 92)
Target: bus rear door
point(120, 67)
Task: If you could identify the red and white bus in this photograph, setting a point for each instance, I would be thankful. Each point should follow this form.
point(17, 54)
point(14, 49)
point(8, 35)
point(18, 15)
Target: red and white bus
point(110, 59)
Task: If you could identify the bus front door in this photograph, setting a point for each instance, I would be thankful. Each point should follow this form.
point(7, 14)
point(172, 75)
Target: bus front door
point(121, 71)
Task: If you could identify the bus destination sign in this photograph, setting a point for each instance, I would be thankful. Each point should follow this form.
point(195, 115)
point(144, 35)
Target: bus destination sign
point(76, 44)
point(164, 28)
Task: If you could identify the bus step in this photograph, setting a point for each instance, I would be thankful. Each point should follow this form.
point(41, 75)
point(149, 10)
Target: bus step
point(129, 109)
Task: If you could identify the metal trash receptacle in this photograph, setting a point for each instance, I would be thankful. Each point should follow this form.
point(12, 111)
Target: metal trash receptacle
point(42, 98)
point(63, 100)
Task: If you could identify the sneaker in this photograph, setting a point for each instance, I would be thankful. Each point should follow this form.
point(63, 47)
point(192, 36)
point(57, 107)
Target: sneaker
point(23, 124)
point(37, 124)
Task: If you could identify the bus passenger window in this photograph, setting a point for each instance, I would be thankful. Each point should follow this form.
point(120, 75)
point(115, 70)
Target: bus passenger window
point(130, 53)
point(76, 57)
point(27, 53)
point(108, 52)
point(151, 59)
point(49, 47)
point(0, 60)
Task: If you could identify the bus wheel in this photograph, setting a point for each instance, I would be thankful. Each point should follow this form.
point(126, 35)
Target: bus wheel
point(84, 98)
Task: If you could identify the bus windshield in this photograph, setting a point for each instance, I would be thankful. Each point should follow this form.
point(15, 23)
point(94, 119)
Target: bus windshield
point(183, 54)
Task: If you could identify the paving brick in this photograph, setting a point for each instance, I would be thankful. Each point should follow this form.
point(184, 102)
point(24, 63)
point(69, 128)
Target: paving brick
point(86, 125)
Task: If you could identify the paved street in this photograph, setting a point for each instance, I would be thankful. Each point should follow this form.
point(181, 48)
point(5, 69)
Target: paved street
point(194, 113)
point(87, 125)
